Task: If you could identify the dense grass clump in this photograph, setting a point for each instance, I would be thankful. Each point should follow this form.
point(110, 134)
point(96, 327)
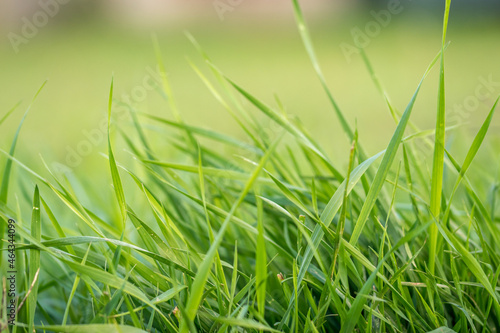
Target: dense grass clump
point(267, 234)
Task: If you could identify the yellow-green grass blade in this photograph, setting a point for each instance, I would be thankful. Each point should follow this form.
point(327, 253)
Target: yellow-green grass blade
point(9, 112)
point(306, 39)
point(438, 159)
point(115, 175)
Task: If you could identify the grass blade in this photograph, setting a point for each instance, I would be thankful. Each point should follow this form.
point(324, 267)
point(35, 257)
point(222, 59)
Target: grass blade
point(34, 263)
point(438, 159)
point(261, 258)
point(115, 175)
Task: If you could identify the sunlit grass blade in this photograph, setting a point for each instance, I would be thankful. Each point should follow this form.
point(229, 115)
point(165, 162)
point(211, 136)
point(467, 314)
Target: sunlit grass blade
point(438, 159)
point(115, 175)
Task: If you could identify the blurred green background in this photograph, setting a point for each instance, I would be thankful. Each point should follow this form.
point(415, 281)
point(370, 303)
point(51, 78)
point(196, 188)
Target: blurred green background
point(258, 46)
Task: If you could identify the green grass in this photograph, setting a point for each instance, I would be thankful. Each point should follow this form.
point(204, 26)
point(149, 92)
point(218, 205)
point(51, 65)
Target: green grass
point(195, 230)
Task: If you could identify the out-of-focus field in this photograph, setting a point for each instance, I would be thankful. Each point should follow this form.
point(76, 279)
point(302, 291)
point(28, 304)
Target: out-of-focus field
point(264, 57)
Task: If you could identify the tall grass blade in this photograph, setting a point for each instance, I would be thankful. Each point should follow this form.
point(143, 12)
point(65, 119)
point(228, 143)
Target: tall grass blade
point(115, 175)
point(34, 262)
point(438, 159)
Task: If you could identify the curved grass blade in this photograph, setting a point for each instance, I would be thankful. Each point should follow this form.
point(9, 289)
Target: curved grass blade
point(9, 112)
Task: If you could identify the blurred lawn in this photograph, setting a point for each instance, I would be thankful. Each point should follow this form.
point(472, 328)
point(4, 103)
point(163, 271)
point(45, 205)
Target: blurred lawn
point(263, 57)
